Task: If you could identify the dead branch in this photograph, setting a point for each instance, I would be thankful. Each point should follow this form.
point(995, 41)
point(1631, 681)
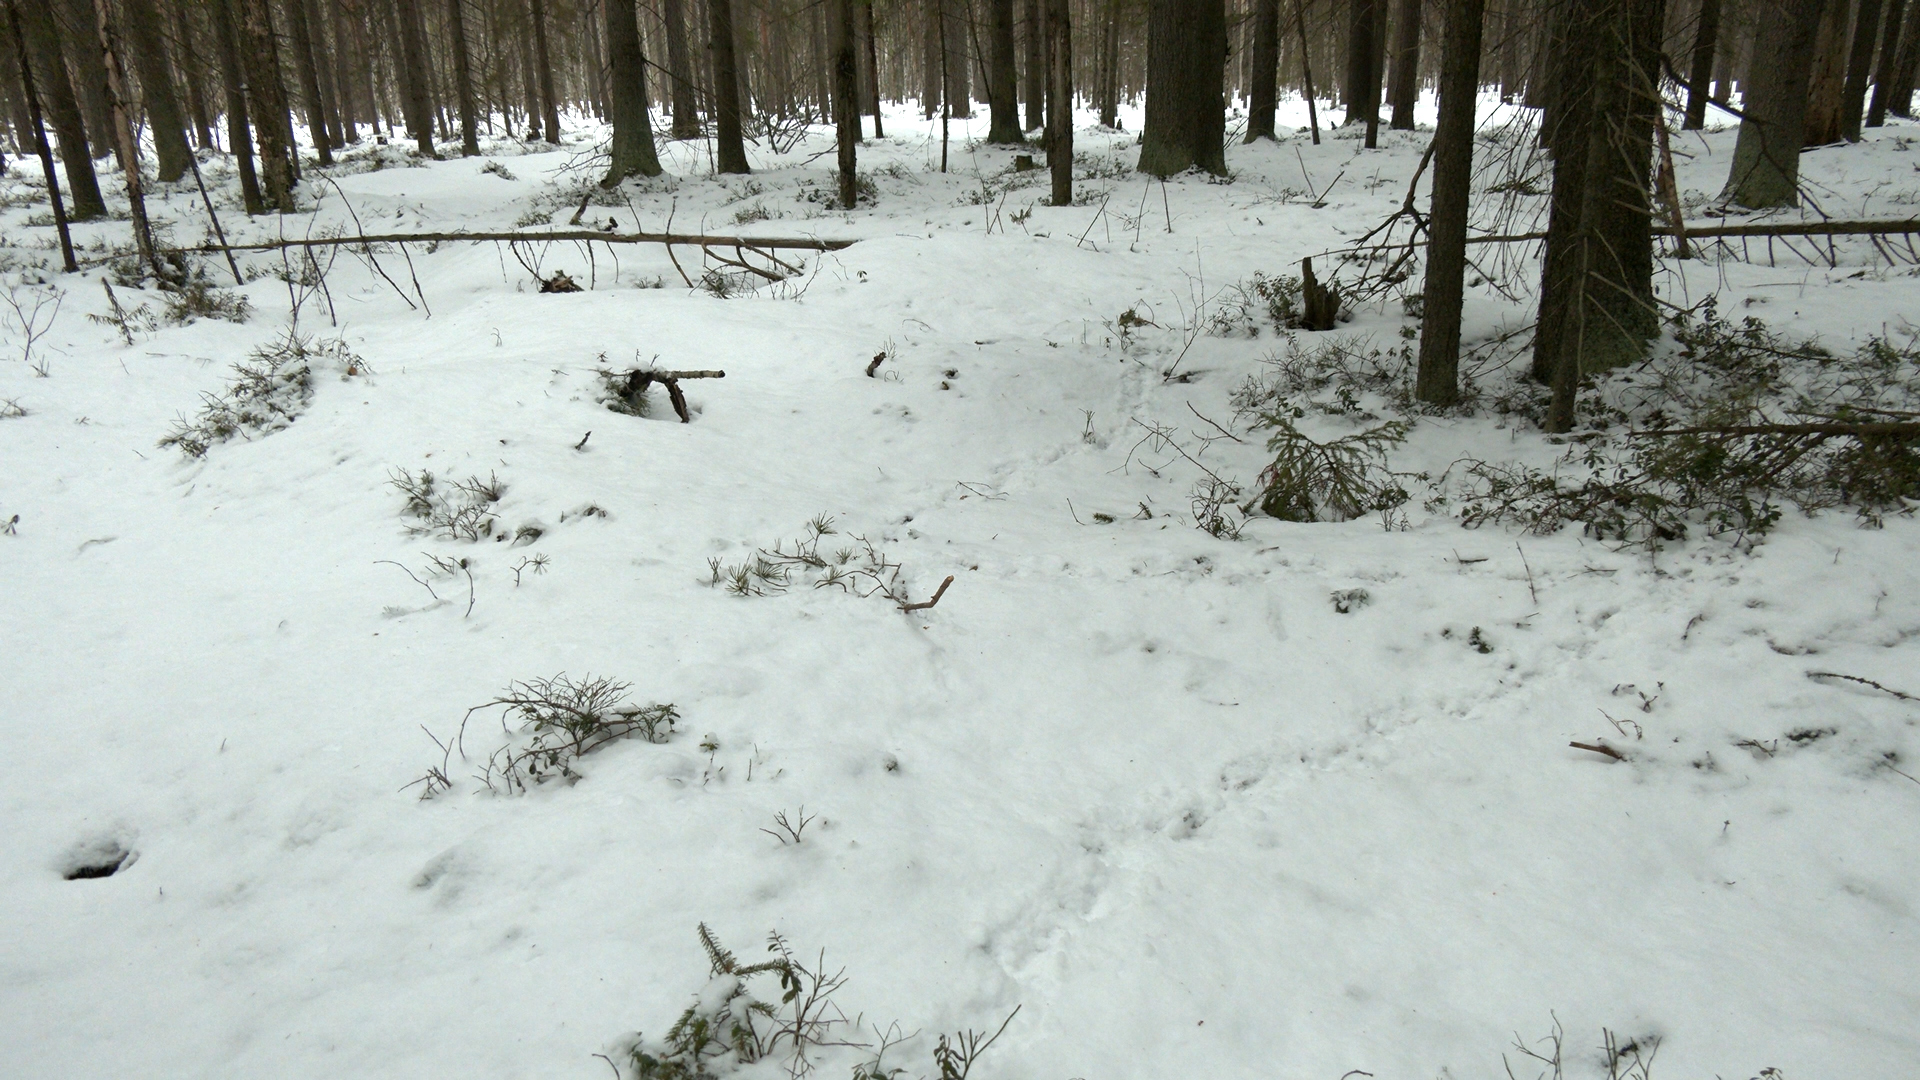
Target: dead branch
point(1599, 748)
point(769, 243)
point(640, 378)
point(1902, 695)
point(1875, 429)
point(937, 594)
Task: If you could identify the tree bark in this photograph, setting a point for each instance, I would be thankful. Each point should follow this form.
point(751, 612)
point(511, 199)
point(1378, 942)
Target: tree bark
point(267, 102)
point(122, 118)
point(1186, 115)
point(463, 79)
point(543, 60)
point(730, 151)
point(1829, 76)
point(1906, 65)
point(1060, 99)
point(38, 130)
point(1438, 381)
point(633, 152)
point(324, 67)
point(1883, 72)
point(79, 39)
point(955, 15)
point(1706, 35)
point(1263, 91)
point(416, 101)
point(1766, 156)
point(1363, 79)
point(1866, 29)
point(226, 40)
point(192, 77)
point(683, 93)
point(1003, 78)
point(1036, 68)
point(1406, 60)
point(873, 65)
point(42, 39)
point(148, 49)
point(301, 40)
point(846, 97)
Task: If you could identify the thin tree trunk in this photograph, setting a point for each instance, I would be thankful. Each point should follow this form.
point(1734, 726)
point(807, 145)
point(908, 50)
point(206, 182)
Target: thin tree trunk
point(1036, 49)
point(955, 20)
point(267, 102)
point(846, 96)
point(1003, 78)
point(1405, 76)
point(416, 85)
point(309, 75)
point(463, 81)
point(42, 40)
point(1306, 68)
point(1438, 381)
point(729, 148)
point(683, 92)
point(1896, 14)
point(1263, 91)
point(39, 133)
point(122, 119)
point(1866, 29)
point(184, 50)
point(543, 61)
point(1186, 112)
point(1766, 156)
point(1060, 100)
point(226, 41)
point(633, 152)
point(1706, 35)
point(873, 65)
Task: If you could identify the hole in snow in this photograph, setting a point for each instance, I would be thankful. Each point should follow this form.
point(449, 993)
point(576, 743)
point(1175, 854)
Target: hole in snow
point(102, 856)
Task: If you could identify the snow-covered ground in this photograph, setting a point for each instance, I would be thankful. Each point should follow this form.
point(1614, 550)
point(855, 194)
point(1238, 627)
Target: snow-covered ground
point(1147, 785)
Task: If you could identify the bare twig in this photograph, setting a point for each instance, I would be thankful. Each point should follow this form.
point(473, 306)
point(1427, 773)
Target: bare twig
point(937, 594)
point(1902, 695)
point(1599, 748)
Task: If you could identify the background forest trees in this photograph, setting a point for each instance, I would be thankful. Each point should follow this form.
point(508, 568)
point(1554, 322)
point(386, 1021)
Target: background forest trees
point(274, 81)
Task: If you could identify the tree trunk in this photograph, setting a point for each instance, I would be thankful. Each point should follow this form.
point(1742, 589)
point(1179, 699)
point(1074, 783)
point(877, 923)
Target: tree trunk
point(121, 117)
point(543, 61)
point(301, 40)
point(729, 149)
point(683, 93)
point(954, 20)
point(63, 106)
point(410, 70)
point(1003, 78)
point(1706, 36)
point(1363, 79)
point(226, 41)
point(633, 152)
point(345, 77)
point(1866, 29)
point(1766, 157)
point(846, 96)
point(79, 40)
point(1036, 67)
point(324, 66)
point(37, 132)
point(1263, 93)
point(193, 77)
point(164, 116)
point(1405, 76)
point(1906, 65)
point(932, 89)
point(873, 65)
point(1890, 28)
point(463, 80)
point(1829, 77)
point(267, 102)
point(1438, 382)
point(1186, 115)
point(1060, 99)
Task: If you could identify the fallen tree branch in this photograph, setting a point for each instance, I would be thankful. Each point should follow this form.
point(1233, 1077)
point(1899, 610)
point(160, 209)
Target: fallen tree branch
point(765, 243)
point(1599, 748)
point(1903, 696)
point(937, 594)
point(1783, 228)
point(640, 378)
point(1872, 429)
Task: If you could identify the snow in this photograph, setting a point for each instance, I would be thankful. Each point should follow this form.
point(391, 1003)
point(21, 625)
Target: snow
point(1145, 784)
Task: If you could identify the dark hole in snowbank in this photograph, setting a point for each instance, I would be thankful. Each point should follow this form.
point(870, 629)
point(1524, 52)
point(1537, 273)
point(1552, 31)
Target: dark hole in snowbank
point(97, 858)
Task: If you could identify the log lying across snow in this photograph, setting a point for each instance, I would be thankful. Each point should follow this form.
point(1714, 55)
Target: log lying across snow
point(765, 243)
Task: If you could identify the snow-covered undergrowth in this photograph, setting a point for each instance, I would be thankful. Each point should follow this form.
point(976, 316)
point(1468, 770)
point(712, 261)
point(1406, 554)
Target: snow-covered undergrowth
point(1291, 804)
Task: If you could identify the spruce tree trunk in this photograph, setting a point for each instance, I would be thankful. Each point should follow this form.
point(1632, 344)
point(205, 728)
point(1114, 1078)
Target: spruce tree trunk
point(730, 151)
point(1036, 48)
point(1766, 156)
point(346, 77)
point(1406, 60)
point(1186, 116)
point(1003, 78)
point(226, 40)
point(417, 84)
point(1706, 36)
point(543, 61)
point(63, 109)
point(463, 80)
point(157, 93)
point(1362, 89)
point(683, 93)
point(121, 116)
point(79, 41)
point(1896, 14)
point(1866, 29)
point(1110, 67)
point(267, 104)
point(301, 40)
point(1060, 100)
point(324, 66)
point(1829, 76)
point(846, 96)
point(192, 76)
point(1438, 381)
point(959, 75)
point(35, 129)
point(1906, 64)
point(873, 65)
point(1263, 93)
point(633, 152)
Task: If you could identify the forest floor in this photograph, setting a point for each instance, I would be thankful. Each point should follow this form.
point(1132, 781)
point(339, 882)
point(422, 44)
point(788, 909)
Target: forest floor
point(1288, 805)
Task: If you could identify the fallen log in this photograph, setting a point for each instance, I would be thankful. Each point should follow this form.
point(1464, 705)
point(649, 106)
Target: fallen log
point(766, 243)
point(1871, 429)
point(639, 379)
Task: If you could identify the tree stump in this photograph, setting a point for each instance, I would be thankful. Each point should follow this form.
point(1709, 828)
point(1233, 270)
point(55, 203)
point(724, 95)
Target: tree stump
point(1321, 303)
